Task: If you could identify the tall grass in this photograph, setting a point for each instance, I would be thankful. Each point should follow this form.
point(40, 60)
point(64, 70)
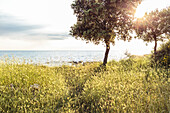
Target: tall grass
point(130, 85)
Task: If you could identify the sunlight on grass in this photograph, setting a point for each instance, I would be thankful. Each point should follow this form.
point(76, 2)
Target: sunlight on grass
point(130, 85)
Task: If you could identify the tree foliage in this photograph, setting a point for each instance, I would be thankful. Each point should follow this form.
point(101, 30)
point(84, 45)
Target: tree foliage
point(154, 26)
point(103, 20)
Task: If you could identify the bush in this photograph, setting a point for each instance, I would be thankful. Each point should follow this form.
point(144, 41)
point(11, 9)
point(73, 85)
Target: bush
point(162, 57)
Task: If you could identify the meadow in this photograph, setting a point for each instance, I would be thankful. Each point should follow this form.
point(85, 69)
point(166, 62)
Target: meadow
point(128, 85)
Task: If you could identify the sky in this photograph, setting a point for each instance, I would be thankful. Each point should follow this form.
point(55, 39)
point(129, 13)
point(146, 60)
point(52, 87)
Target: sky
point(45, 25)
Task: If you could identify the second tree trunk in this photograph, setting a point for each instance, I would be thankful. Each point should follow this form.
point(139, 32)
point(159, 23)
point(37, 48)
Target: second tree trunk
point(155, 47)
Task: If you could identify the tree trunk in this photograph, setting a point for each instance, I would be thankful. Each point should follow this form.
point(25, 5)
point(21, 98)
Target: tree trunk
point(106, 53)
point(155, 46)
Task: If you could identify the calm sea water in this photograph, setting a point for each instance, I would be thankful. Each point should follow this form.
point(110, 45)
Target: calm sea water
point(59, 57)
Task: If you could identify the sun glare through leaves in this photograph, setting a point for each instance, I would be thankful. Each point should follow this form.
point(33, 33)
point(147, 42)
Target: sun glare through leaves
point(150, 5)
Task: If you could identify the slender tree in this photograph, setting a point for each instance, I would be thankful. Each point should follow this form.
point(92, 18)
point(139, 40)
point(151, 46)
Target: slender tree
point(154, 26)
point(103, 20)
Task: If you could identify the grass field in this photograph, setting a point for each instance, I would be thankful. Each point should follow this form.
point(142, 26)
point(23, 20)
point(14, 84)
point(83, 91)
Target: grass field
point(131, 85)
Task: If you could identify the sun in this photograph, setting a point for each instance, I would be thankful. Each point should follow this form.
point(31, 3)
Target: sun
point(150, 5)
point(140, 12)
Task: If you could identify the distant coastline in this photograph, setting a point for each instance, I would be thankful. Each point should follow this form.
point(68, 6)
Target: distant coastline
point(59, 57)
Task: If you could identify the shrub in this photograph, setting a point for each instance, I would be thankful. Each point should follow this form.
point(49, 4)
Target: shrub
point(162, 57)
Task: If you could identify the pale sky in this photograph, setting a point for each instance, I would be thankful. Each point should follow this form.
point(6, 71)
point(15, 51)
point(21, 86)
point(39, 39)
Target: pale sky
point(45, 25)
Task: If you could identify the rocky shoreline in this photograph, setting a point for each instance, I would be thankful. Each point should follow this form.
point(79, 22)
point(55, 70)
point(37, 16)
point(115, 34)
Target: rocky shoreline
point(71, 63)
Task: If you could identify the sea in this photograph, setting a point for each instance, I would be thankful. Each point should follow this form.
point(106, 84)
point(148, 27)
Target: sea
point(58, 57)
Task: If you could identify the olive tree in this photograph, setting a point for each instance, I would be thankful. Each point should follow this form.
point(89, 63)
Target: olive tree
point(103, 20)
point(154, 26)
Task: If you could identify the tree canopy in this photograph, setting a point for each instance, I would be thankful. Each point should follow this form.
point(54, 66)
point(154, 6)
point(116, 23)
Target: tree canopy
point(154, 26)
point(103, 20)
